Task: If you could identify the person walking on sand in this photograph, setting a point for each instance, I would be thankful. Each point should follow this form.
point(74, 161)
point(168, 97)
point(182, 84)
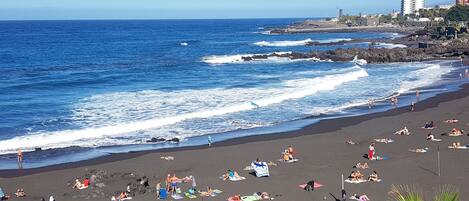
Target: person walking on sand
point(209, 141)
point(417, 94)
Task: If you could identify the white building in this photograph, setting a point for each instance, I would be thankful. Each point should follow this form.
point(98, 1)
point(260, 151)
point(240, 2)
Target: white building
point(411, 6)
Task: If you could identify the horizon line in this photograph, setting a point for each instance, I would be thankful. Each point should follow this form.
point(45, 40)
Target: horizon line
point(149, 19)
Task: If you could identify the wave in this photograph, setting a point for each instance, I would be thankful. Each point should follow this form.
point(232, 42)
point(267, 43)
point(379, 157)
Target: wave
point(424, 76)
point(286, 43)
point(289, 43)
point(390, 45)
point(238, 58)
point(121, 113)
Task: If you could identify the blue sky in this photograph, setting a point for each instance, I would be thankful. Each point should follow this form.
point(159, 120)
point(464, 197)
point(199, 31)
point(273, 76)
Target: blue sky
point(189, 9)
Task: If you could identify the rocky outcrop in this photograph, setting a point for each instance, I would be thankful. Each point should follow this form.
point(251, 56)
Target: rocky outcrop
point(438, 50)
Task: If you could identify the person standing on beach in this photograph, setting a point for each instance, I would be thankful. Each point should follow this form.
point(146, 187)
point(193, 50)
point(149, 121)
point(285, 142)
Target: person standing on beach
point(209, 141)
point(20, 157)
point(412, 106)
point(370, 103)
point(371, 151)
point(466, 72)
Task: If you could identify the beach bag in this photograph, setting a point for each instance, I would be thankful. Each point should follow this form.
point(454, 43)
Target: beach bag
point(163, 194)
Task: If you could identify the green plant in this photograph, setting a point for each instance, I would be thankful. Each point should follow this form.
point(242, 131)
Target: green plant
point(447, 193)
point(405, 193)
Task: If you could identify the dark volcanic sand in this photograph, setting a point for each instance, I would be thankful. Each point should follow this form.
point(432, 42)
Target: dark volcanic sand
point(324, 157)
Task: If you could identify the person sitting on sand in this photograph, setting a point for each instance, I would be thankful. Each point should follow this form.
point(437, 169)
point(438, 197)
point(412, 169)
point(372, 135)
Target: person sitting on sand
point(456, 145)
point(356, 175)
point(258, 163)
point(78, 184)
point(20, 193)
point(430, 137)
point(309, 186)
point(287, 156)
point(373, 176)
point(429, 125)
point(455, 132)
point(362, 166)
point(158, 187)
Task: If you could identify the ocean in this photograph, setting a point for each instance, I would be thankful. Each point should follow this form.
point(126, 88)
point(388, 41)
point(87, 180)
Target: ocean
point(83, 89)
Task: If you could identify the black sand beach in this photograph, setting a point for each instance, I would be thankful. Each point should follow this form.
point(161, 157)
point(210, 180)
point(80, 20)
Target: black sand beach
point(321, 148)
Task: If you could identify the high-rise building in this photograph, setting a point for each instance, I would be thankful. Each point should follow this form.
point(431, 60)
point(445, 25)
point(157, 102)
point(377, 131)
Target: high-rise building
point(412, 6)
point(341, 13)
point(462, 2)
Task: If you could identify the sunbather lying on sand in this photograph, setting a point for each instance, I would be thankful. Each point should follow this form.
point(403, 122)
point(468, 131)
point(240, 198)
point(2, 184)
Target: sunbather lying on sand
point(451, 121)
point(20, 193)
point(431, 137)
point(168, 158)
point(359, 198)
point(384, 140)
point(350, 142)
point(455, 132)
point(403, 131)
point(207, 193)
point(232, 175)
point(374, 177)
point(124, 196)
point(79, 185)
point(362, 166)
point(264, 195)
point(419, 150)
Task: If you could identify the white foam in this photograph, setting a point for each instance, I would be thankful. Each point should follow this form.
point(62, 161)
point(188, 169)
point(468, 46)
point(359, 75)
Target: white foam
point(184, 44)
point(238, 59)
point(289, 43)
point(390, 45)
point(120, 118)
point(424, 76)
point(286, 43)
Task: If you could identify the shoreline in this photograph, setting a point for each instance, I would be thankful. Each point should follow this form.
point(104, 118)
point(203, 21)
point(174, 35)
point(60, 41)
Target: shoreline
point(323, 126)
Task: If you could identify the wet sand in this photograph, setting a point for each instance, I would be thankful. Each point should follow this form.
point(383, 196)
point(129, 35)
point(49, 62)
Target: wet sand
point(321, 148)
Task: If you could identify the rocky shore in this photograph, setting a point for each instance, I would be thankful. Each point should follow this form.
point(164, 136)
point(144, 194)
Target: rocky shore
point(416, 50)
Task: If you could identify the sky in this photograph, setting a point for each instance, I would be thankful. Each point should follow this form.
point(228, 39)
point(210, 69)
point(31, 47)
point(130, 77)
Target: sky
point(190, 9)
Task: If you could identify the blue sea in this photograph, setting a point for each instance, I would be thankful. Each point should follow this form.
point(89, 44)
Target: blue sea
point(83, 89)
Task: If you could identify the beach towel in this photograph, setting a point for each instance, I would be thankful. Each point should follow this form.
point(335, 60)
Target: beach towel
point(261, 170)
point(461, 147)
point(251, 198)
point(355, 181)
point(237, 178)
point(379, 158)
point(429, 128)
point(384, 140)
point(289, 161)
point(316, 185)
point(455, 134)
point(177, 196)
point(216, 191)
point(436, 140)
point(378, 180)
point(190, 196)
point(418, 150)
